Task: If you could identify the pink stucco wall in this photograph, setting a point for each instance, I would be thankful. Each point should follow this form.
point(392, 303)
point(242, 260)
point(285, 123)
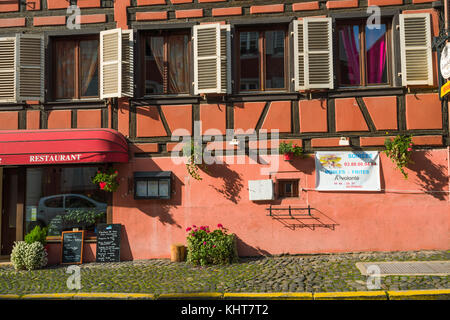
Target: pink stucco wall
point(402, 217)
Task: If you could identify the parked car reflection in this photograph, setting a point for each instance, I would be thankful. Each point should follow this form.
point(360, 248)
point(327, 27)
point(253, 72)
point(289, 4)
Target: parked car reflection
point(58, 212)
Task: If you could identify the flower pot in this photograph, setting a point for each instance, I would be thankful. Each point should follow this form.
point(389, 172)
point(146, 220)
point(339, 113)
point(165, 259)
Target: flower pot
point(289, 156)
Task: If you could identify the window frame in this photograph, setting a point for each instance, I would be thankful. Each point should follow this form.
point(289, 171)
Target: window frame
point(77, 81)
point(281, 188)
point(238, 29)
point(142, 35)
point(363, 56)
point(158, 176)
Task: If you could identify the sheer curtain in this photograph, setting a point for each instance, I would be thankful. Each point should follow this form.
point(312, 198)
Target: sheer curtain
point(89, 67)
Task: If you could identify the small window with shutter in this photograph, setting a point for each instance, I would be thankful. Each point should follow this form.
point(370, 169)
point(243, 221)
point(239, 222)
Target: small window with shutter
point(116, 63)
point(313, 54)
point(21, 68)
point(415, 47)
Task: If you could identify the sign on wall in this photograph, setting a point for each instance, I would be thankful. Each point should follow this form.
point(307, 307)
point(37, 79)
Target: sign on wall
point(347, 171)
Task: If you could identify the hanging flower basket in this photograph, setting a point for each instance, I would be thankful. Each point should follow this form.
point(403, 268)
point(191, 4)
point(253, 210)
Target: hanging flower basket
point(107, 181)
point(290, 151)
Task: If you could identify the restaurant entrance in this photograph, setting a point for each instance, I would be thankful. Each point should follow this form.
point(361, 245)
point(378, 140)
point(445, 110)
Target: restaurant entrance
point(12, 208)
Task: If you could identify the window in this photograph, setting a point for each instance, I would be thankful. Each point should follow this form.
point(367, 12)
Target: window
point(75, 68)
point(363, 54)
point(166, 61)
point(152, 185)
point(288, 188)
point(62, 198)
point(262, 59)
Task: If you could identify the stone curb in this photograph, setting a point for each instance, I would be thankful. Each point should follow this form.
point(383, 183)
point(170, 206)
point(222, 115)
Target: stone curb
point(435, 294)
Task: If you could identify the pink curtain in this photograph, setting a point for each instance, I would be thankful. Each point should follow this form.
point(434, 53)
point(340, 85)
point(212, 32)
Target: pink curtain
point(352, 53)
point(376, 61)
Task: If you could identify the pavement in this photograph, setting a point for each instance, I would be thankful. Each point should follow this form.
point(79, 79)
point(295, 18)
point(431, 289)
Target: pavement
point(323, 276)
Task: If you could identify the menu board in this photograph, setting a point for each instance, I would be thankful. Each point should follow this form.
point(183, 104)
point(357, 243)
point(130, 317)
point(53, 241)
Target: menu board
point(72, 247)
point(108, 242)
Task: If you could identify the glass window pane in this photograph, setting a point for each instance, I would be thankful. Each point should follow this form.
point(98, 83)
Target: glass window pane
point(153, 188)
point(64, 69)
point(89, 68)
point(178, 64)
point(154, 65)
point(141, 188)
point(376, 54)
point(62, 198)
point(349, 50)
point(163, 188)
point(249, 61)
point(275, 59)
point(78, 201)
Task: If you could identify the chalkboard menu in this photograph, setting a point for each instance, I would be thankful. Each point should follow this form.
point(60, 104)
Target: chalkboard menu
point(108, 242)
point(72, 247)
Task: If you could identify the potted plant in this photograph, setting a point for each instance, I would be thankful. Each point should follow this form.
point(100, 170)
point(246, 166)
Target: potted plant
point(107, 181)
point(82, 218)
point(290, 150)
point(38, 234)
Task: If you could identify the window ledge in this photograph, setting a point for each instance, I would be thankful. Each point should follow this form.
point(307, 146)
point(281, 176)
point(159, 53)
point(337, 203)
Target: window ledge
point(366, 91)
point(81, 103)
point(166, 99)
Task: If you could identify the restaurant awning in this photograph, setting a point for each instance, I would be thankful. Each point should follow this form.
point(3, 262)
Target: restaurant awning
point(35, 147)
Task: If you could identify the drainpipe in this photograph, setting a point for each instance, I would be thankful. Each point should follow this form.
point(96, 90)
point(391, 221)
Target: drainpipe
point(446, 14)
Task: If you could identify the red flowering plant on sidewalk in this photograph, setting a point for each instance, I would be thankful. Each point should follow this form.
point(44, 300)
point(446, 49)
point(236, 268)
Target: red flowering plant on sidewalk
point(210, 247)
point(107, 181)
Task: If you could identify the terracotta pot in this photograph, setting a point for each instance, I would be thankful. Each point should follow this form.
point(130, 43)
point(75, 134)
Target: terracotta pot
point(289, 156)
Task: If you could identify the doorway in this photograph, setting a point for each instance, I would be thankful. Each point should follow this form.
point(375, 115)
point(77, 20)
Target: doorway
point(12, 209)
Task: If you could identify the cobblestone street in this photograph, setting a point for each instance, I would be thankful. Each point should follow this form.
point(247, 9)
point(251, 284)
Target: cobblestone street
point(299, 273)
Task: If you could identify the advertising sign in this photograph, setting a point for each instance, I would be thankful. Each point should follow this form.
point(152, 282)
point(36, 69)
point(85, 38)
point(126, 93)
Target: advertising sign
point(347, 171)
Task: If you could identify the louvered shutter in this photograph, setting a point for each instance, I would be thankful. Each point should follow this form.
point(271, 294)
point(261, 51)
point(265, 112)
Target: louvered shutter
point(313, 59)
point(299, 56)
point(207, 61)
point(110, 63)
point(7, 69)
point(225, 57)
point(127, 63)
point(116, 63)
point(415, 47)
point(30, 67)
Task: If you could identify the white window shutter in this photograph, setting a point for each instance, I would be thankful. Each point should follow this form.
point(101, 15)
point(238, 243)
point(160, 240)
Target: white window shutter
point(110, 63)
point(30, 67)
point(415, 48)
point(127, 63)
point(207, 61)
point(299, 55)
point(318, 51)
point(8, 81)
point(225, 56)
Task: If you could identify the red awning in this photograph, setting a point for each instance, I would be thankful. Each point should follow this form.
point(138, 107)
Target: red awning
point(35, 147)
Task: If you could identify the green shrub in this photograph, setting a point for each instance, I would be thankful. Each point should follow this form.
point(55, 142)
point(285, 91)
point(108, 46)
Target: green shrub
point(216, 247)
point(37, 235)
point(28, 256)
